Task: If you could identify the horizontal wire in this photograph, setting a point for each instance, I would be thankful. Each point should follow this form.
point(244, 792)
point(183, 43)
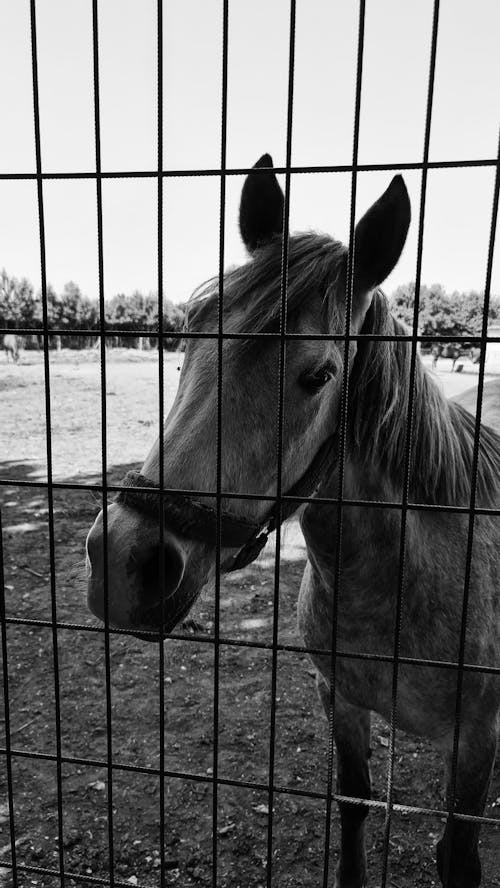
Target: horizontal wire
point(247, 784)
point(300, 337)
point(265, 498)
point(257, 645)
point(66, 874)
point(243, 171)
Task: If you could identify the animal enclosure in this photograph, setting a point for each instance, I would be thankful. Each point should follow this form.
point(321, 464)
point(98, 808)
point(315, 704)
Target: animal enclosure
point(211, 738)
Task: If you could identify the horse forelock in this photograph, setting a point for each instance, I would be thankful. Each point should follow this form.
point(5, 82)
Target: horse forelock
point(252, 293)
point(442, 431)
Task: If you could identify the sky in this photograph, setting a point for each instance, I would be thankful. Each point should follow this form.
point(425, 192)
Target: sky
point(465, 125)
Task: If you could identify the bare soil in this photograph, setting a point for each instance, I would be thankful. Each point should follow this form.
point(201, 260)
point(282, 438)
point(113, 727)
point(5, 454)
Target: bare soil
point(90, 807)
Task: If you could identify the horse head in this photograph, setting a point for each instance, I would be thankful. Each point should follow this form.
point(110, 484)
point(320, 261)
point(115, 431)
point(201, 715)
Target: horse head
point(232, 388)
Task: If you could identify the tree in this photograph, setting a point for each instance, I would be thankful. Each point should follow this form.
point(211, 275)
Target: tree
point(469, 311)
point(440, 314)
point(173, 317)
point(28, 304)
point(19, 307)
point(436, 315)
point(140, 312)
point(402, 302)
point(8, 300)
point(71, 300)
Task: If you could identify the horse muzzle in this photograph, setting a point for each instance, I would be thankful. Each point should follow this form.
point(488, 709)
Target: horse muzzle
point(143, 585)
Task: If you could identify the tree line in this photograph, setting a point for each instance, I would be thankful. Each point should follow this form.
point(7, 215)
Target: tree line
point(21, 307)
point(440, 313)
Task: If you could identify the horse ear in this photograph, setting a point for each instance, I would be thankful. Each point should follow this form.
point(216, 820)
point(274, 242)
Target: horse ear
point(380, 236)
point(261, 206)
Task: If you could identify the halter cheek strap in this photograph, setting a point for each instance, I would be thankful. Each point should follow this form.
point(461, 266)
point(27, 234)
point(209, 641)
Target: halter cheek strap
point(198, 521)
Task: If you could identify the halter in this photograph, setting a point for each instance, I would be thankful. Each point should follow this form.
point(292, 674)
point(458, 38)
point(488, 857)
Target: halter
point(197, 521)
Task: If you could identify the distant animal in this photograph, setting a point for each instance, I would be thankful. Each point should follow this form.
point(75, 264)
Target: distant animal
point(10, 346)
point(454, 351)
point(354, 592)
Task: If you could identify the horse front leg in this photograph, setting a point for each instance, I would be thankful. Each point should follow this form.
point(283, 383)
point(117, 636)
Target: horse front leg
point(457, 853)
point(351, 731)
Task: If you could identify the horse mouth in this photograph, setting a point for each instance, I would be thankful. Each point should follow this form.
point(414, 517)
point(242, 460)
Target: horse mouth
point(149, 622)
point(155, 636)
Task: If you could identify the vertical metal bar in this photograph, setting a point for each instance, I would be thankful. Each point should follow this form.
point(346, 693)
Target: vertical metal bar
point(102, 339)
point(161, 572)
point(48, 434)
point(6, 706)
point(279, 425)
point(342, 440)
point(220, 357)
point(408, 448)
point(472, 506)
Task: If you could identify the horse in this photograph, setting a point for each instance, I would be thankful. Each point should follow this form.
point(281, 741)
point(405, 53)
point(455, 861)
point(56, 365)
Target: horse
point(10, 346)
point(348, 598)
point(450, 350)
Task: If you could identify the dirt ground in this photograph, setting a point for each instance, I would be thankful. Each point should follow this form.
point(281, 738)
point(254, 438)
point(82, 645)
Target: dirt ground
point(90, 805)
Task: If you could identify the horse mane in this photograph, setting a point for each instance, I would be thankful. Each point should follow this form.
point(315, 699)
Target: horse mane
point(442, 431)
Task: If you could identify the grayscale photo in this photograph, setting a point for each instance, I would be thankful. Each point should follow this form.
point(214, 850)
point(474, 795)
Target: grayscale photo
point(249, 444)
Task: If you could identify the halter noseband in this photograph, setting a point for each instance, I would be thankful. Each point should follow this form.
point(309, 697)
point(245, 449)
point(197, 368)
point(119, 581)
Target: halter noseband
point(197, 521)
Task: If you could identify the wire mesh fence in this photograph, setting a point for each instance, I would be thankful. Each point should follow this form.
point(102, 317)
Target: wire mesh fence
point(271, 789)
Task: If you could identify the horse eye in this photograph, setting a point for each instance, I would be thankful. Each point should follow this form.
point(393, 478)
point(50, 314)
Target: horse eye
point(314, 380)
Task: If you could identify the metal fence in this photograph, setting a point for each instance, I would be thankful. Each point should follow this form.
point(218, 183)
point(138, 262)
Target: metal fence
point(216, 780)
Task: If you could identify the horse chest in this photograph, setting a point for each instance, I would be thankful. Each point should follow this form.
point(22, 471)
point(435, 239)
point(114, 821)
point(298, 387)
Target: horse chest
point(365, 603)
point(361, 626)
point(363, 681)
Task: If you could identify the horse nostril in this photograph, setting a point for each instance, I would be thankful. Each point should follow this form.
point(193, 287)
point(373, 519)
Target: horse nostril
point(164, 564)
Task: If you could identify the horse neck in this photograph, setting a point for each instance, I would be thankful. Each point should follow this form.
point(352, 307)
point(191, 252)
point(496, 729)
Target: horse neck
point(442, 432)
